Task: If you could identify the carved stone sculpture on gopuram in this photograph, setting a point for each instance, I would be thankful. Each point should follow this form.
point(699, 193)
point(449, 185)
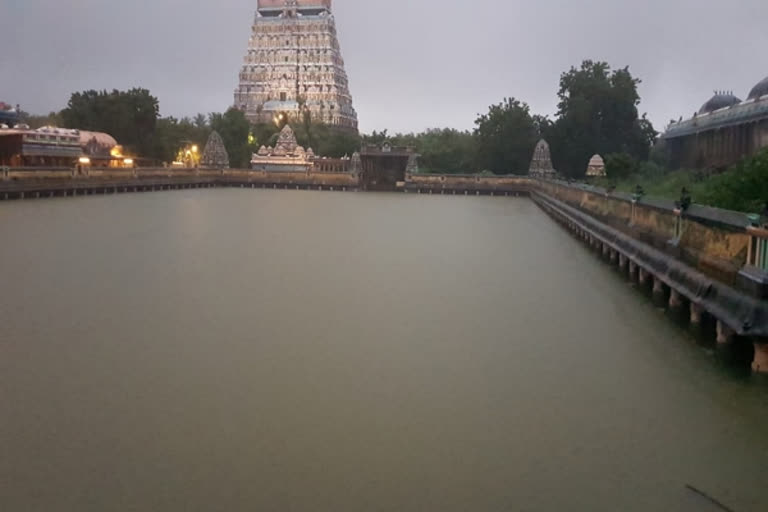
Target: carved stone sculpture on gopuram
point(293, 66)
point(541, 163)
point(287, 155)
point(215, 154)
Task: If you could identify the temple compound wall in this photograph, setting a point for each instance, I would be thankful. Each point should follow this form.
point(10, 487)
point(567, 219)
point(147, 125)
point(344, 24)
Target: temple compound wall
point(714, 241)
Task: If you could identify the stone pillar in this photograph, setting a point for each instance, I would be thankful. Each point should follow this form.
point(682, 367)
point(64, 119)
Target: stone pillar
point(632, 270)
point(658, 288)
point(675, 300)
point(697, 314)
point(614, 257)
point(623, 262)
point(643, 276)
point(606, 250)
point(725, 335)
point(760, 363)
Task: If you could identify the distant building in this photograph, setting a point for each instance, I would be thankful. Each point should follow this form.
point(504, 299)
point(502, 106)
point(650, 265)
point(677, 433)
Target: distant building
point(58, 147)
point(9, 116)
point(97, 145)
point(541, 163)
point(596, 167)
point(722, 132)
point(294, 65)
point(46, 147)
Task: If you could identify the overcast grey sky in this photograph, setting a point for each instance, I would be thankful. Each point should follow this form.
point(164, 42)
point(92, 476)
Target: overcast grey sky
point(412, 64)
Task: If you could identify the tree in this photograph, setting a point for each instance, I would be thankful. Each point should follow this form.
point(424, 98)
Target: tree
point(263, 133)
point(446, 151)
point(201, 122)
point(441, 150)
point(129, 116)
point(543, 126)
point(35, 122)
point(505, 138)
point(620, 165)
point(172, 134)
point(597, 113)
point(234, 129)
point(324, 140)
point(376, 138)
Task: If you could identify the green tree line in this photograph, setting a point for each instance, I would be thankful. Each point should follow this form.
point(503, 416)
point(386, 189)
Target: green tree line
point(597, 113)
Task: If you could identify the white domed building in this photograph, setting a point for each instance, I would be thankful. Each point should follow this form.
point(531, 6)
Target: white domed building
point(722, 132)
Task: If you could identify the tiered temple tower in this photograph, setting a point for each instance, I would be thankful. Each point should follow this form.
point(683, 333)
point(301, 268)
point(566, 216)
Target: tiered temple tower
point(541, 163)
point(294, 65)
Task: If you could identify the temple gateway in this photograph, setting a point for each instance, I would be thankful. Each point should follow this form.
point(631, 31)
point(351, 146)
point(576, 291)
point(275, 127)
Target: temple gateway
point(294, 66)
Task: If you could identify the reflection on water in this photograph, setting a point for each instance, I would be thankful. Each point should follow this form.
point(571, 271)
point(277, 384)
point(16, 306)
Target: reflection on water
point(267, 350)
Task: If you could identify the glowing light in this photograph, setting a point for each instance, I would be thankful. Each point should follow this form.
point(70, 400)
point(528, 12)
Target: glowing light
point(128, 161)
point(116, 151)
point(194, 149)
point(84, 160)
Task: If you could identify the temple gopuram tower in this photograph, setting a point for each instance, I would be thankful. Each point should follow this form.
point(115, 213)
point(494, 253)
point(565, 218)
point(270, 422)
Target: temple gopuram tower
point(294, 65)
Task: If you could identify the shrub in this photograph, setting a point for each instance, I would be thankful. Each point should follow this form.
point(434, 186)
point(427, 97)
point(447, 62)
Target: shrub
point(744, 187)
point(620, 165)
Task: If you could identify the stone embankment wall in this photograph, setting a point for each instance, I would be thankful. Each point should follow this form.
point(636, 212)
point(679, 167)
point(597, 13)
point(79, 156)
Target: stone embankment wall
point(452, 183)
point(15, 182)
point(715, 242)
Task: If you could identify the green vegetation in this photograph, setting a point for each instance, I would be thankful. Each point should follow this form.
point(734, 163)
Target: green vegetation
point(597, 114)
point(234, 129)
point(446, 150)
point(620, 166)
point(505, 138)
point(742, 188)
point(132, 118)
point(171, 134)
point(35, 122)
point(129, 116)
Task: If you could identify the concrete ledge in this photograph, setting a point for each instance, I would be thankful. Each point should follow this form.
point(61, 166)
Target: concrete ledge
point(745, 315)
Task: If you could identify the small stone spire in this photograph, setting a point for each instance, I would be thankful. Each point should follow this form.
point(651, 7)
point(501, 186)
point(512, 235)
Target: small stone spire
point(215, 153)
